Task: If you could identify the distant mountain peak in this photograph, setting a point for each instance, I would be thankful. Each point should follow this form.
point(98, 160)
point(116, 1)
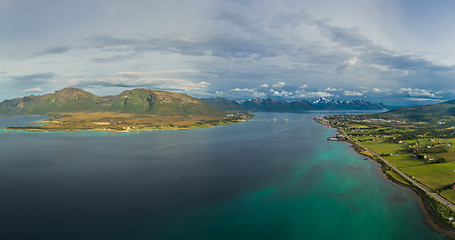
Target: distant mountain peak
point(272, 105)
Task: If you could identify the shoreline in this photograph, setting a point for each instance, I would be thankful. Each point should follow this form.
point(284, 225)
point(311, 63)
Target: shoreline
point(51, 125)
point(111, 131)
point(429, 215)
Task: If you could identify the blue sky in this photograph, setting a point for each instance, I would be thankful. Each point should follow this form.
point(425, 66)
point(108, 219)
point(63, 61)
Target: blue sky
point(391, 51)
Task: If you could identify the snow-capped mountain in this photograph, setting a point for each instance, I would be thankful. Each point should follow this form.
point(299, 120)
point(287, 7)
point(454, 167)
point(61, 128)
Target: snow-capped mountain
point(272, 105)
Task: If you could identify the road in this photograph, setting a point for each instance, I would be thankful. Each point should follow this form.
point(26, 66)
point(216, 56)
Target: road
point(404, 175)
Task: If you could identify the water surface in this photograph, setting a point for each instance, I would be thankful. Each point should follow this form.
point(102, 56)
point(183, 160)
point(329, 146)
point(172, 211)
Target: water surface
point(274, 177)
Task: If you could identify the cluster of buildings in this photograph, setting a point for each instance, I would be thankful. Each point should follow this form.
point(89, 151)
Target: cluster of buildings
point(380, 120)
point(337, 138)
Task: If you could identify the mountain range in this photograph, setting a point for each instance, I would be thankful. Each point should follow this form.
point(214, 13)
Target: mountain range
point(272, 105)
point(148, 108)
point(136, 101)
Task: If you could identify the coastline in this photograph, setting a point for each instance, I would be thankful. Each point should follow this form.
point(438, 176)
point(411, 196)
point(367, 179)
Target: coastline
point(110, 131)
point(430, 217)
point(130, 124)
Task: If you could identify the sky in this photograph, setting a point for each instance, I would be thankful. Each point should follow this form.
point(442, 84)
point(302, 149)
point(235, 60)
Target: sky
point(390, 51)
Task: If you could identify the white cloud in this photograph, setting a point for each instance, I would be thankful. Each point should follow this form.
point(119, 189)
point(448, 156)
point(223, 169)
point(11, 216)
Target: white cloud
point(347, 64)
point(74, 81)
point(282, 93)
point(418, 92)
point(242, 90)
point(398, 72)
point(329, 89)
point(351, 62)
point(144, 74)
point(279, 85)
point(424, 100)
point(265, 85)
point(387, 91)
point(352, 93)
point(132, 74)
point(37, 89)
point(380, 67)
point(320, 94)
point(204, 83)
point(304, 86)
point(175, 71)
point(376, 90)
point(246, 93)
point(317, 94)
point(259, 94)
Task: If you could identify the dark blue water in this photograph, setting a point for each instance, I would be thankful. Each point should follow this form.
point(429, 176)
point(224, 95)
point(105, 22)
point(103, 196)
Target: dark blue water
point(264, 179)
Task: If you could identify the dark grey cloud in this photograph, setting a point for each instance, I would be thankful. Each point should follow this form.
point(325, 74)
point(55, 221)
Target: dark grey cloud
point(111, 59)
point(231, 44)
point(55, 50)
point(31, 78)
point(224, 46)
point(88, 84)
point(102, 41)
point(350, 37)
point(403, 61)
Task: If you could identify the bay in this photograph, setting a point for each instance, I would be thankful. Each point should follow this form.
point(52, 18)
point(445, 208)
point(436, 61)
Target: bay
point(274, 177)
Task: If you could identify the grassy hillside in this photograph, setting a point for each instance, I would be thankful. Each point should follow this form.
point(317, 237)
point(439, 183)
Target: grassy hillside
point(225, 104)
point(441, 112)
point(136, 101)
point(66, 100)
point(74, 109)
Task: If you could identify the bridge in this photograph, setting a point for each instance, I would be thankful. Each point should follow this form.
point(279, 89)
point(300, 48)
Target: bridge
point(277, 120)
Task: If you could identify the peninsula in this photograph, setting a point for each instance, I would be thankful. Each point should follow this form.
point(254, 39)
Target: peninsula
point(73, 109)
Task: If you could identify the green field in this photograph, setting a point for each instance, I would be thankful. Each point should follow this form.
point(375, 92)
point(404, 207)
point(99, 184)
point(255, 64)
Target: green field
point(380, 148)
point(449, 195)
point(403, 161)
point(417, 140)
point(421, 150)
point(434, 176)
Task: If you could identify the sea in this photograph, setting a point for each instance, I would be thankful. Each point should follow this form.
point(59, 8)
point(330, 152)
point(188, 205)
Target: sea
point(273, 177)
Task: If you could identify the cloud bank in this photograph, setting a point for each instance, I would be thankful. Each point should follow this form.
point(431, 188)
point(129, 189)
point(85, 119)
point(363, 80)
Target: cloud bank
point(382, 50)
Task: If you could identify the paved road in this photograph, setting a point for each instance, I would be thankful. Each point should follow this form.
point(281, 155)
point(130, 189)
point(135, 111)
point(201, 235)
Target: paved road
point(404, 175)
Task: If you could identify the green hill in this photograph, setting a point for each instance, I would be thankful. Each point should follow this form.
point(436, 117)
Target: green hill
point(74, 109)
point(432, 113)
point(225, 104)
point(136, 101)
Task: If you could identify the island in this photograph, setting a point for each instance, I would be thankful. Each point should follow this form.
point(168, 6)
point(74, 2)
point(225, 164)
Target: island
point(73, 109)
point(415, 146)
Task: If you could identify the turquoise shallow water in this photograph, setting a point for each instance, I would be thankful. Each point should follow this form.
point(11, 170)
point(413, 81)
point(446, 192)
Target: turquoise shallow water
point(264, 179)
